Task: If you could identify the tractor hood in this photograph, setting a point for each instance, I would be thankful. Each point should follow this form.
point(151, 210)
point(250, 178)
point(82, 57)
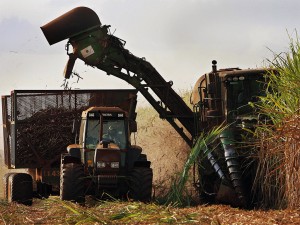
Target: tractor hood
point(70, 24)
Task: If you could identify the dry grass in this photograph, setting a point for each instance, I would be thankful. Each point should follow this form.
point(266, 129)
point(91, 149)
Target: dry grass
point(278, 178)
point(291, 133)
point(166, 150)
point(278, 173)
point(54, 211)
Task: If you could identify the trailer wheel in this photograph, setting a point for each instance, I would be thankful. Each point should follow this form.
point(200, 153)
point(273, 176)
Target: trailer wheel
point(20, 188)
point(5, 185)
point(72, 183)
point(140, 186)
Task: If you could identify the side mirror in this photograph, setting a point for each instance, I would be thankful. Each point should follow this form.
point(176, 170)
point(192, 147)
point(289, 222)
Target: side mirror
point(133, 126)
point(73, 126)
point(75, 129)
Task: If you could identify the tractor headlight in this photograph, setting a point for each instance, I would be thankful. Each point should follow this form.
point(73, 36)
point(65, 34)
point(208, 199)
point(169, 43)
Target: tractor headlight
point(101, 164)
point(114, 165)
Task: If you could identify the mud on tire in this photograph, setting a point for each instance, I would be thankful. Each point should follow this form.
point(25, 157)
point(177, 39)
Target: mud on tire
point(72, 183)
point(140, 184)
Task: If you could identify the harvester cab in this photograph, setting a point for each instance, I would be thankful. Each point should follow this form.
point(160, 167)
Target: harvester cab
point(226, 95)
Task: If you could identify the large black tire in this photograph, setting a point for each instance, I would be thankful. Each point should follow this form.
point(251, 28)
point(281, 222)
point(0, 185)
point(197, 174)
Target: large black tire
point(43, 190)
point(20, 188)
point(5, 185)
point(140, 184)
point(72, 183)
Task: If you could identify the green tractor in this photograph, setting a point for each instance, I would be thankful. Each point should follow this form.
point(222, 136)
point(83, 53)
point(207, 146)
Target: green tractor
point(104, 163)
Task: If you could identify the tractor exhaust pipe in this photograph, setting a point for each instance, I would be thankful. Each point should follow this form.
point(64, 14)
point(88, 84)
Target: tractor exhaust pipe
point(214, 66)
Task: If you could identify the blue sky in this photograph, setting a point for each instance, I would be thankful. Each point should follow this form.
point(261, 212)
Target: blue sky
point(179, 38)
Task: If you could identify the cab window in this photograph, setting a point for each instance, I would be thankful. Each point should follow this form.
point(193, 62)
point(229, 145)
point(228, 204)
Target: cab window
point(92, 133)
point(114, 130)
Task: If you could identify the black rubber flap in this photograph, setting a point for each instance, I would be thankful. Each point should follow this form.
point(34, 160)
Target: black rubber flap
point(67, 25)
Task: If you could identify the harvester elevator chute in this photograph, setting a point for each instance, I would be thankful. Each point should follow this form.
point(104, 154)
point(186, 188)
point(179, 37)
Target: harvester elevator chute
point(93, 44)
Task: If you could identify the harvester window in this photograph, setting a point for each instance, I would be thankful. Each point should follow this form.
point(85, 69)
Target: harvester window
point(240, 93)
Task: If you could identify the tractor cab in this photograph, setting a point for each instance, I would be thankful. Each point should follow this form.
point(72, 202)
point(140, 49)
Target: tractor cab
point(106, 158)
point(104, 139)
point(104, 125)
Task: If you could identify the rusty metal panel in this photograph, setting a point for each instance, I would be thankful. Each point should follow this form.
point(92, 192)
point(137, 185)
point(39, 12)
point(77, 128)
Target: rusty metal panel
point(41, 121)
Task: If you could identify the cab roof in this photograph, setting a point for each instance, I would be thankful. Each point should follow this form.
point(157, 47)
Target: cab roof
point(102, 109)
point(240, 72)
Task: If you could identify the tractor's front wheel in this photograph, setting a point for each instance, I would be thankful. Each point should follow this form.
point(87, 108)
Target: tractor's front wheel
point(72, 182)
point(140, 184)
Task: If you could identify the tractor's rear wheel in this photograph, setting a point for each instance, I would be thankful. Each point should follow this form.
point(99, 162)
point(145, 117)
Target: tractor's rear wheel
point(140, 186)
point(19, 188)
point(72, 182)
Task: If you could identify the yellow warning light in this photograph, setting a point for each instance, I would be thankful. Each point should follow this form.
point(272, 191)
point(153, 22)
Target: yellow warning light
point(90, 162)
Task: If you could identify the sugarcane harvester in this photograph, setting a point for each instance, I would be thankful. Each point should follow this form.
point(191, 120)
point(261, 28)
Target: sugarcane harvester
point(92, 43)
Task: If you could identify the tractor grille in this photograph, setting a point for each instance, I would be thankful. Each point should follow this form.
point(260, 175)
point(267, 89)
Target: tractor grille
point(107, 181)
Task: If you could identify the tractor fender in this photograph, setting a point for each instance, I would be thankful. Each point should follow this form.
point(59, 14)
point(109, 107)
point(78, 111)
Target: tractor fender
point(135, 158)
point(67, 158)
point(74, 150)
